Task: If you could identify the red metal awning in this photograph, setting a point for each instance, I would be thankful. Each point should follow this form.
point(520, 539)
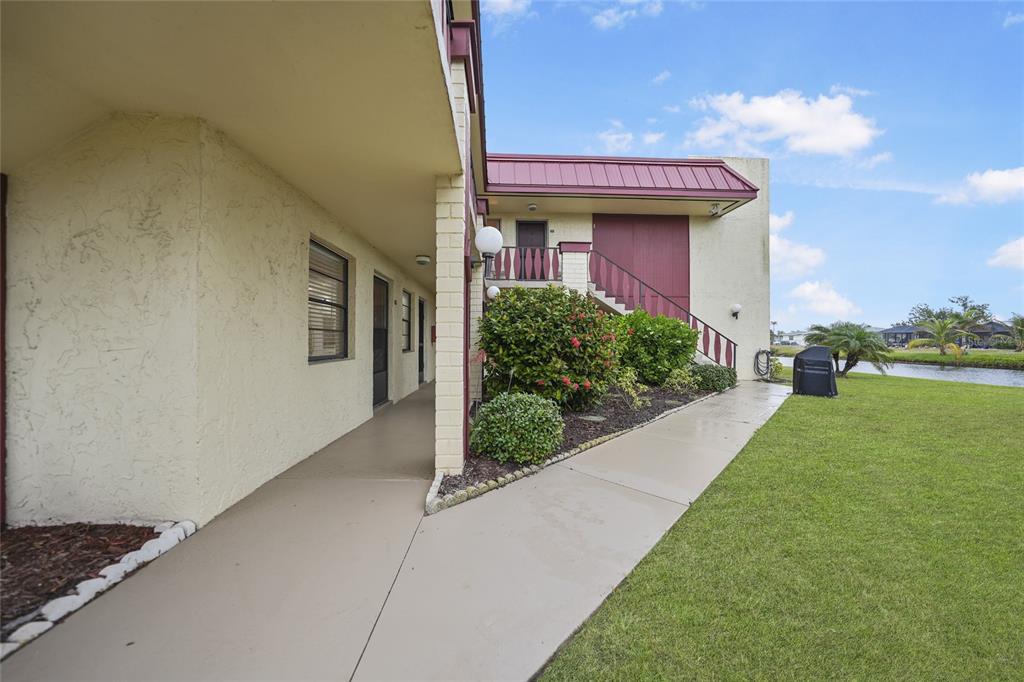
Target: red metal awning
point(616, 176)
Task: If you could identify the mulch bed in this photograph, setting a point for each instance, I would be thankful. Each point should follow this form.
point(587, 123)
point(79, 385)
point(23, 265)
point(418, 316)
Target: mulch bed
point(40, 563)
point(617, 413)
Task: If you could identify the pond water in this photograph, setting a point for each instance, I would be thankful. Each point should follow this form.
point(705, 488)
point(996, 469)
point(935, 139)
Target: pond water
point(969, 375)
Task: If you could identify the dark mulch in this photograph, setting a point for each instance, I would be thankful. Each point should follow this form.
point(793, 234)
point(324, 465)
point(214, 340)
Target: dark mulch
point(614, 408)
point(40, 563)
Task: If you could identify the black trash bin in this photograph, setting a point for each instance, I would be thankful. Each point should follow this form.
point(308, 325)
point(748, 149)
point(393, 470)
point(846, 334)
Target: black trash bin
point(814, 373)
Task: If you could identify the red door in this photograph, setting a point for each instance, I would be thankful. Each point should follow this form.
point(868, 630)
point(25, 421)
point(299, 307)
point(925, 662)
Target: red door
point(654, 248)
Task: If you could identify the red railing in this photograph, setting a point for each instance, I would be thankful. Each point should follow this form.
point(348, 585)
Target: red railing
point(629, 291)
point(527, 264)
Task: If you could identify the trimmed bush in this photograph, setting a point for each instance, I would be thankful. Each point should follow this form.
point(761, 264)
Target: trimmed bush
point(520, 427)
point(713, 377)
point(549, 341)
point(654, 346)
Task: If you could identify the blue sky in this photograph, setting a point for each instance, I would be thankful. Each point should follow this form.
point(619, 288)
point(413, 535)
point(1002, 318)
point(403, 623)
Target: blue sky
point(895, 131)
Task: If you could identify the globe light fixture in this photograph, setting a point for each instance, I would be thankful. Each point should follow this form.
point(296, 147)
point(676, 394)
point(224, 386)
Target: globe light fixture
point(735, 310)
point(488, 242)
point(492, 292)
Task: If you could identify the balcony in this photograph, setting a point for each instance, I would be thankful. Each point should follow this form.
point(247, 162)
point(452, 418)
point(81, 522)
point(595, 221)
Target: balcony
point(525, 264)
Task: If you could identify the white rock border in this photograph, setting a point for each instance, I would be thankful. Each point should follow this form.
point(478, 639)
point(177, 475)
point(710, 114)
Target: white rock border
point(436, 503)
point(171, 534)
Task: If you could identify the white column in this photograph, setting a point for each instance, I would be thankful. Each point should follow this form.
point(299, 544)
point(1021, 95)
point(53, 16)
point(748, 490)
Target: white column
point(575, 270)
point(448, 407)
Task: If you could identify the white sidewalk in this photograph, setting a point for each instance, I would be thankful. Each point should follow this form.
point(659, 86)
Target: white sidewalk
point(294, 581)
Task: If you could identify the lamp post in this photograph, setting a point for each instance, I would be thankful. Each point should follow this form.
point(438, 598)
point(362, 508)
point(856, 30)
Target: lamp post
point(488, 242)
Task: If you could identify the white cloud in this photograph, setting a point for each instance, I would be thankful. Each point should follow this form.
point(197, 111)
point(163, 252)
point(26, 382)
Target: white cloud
point(651, 121)
point(825, 125)
point(653, 138)
point(505, 8)
point(778, 223)
point(672, 108)
point(991, 186)
point(1013, 19)
point(791, 259)
point(872, 161)
point(849, 90)
point(612, 18)
point(616, 139)
point(1009, 255)
point(617, 15)
point(502, 14)
point(821, 298)
point(662, 77)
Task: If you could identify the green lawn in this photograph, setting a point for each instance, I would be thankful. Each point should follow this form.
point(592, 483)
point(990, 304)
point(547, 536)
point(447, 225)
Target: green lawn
point(879, 535)
point(1004, 359)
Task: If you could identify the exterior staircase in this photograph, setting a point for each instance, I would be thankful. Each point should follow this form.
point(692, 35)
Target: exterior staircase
point(619, 291)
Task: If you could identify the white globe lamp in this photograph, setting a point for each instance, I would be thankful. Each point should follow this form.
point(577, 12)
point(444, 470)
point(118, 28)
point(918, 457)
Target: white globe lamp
point(488, 242)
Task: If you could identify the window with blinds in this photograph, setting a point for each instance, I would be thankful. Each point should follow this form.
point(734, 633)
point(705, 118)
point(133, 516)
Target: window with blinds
point(328, 304)
point(406, 320)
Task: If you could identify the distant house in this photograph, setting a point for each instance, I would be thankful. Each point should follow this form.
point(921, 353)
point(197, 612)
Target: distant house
point(791, 338)
point(902, 334)
point(986, 331)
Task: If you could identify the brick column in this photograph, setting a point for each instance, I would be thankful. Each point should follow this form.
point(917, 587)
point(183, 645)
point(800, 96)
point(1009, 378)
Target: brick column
point(449, 388)
point(575, 258)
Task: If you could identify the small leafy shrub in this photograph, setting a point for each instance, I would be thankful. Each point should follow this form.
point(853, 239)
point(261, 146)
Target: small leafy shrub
point(713, 377)
point(1005, 344)
point(520, 427)
point(774, 369)
point(922, 343)
point(626, 381)
point(549, 341)
point(654, 346)
point(681, 380)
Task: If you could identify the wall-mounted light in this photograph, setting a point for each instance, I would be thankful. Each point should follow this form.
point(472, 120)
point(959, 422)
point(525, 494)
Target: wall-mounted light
point(488, 242)
point(735, 310)
point(492, 292)
point(714, 209)
point(422, 260)
point(531, 207)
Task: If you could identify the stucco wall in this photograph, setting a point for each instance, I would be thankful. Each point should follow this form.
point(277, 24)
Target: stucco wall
point(262, 405)
point(157, 327)
point(101, 314)
point(729, 263)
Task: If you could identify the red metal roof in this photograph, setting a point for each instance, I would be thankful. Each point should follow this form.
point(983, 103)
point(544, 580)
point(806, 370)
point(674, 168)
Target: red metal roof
point(616, 176)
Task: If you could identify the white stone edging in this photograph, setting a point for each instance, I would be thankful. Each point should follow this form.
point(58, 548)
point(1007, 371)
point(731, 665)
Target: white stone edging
point(171, 534)
point(436, 503)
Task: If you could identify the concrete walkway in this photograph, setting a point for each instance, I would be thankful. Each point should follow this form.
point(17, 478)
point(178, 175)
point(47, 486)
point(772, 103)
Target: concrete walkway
point(296, 580)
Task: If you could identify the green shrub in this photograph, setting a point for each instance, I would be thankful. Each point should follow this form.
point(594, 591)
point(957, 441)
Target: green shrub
point(681, 380)
point(654, 346)
point(713, 377)
point(550, 341)
point(521, 427)
point(922, 343)
point(625, 380)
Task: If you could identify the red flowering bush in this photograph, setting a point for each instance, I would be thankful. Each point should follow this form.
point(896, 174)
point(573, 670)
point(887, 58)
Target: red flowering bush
point(550, 341)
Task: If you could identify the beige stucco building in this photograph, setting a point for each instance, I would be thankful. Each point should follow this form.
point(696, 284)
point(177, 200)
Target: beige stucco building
point(239, 228)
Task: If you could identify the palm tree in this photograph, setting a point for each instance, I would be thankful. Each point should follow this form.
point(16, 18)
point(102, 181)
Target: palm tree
point(1016, 333)
point(969, 319)
point(854, 341)
point(947, 331)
